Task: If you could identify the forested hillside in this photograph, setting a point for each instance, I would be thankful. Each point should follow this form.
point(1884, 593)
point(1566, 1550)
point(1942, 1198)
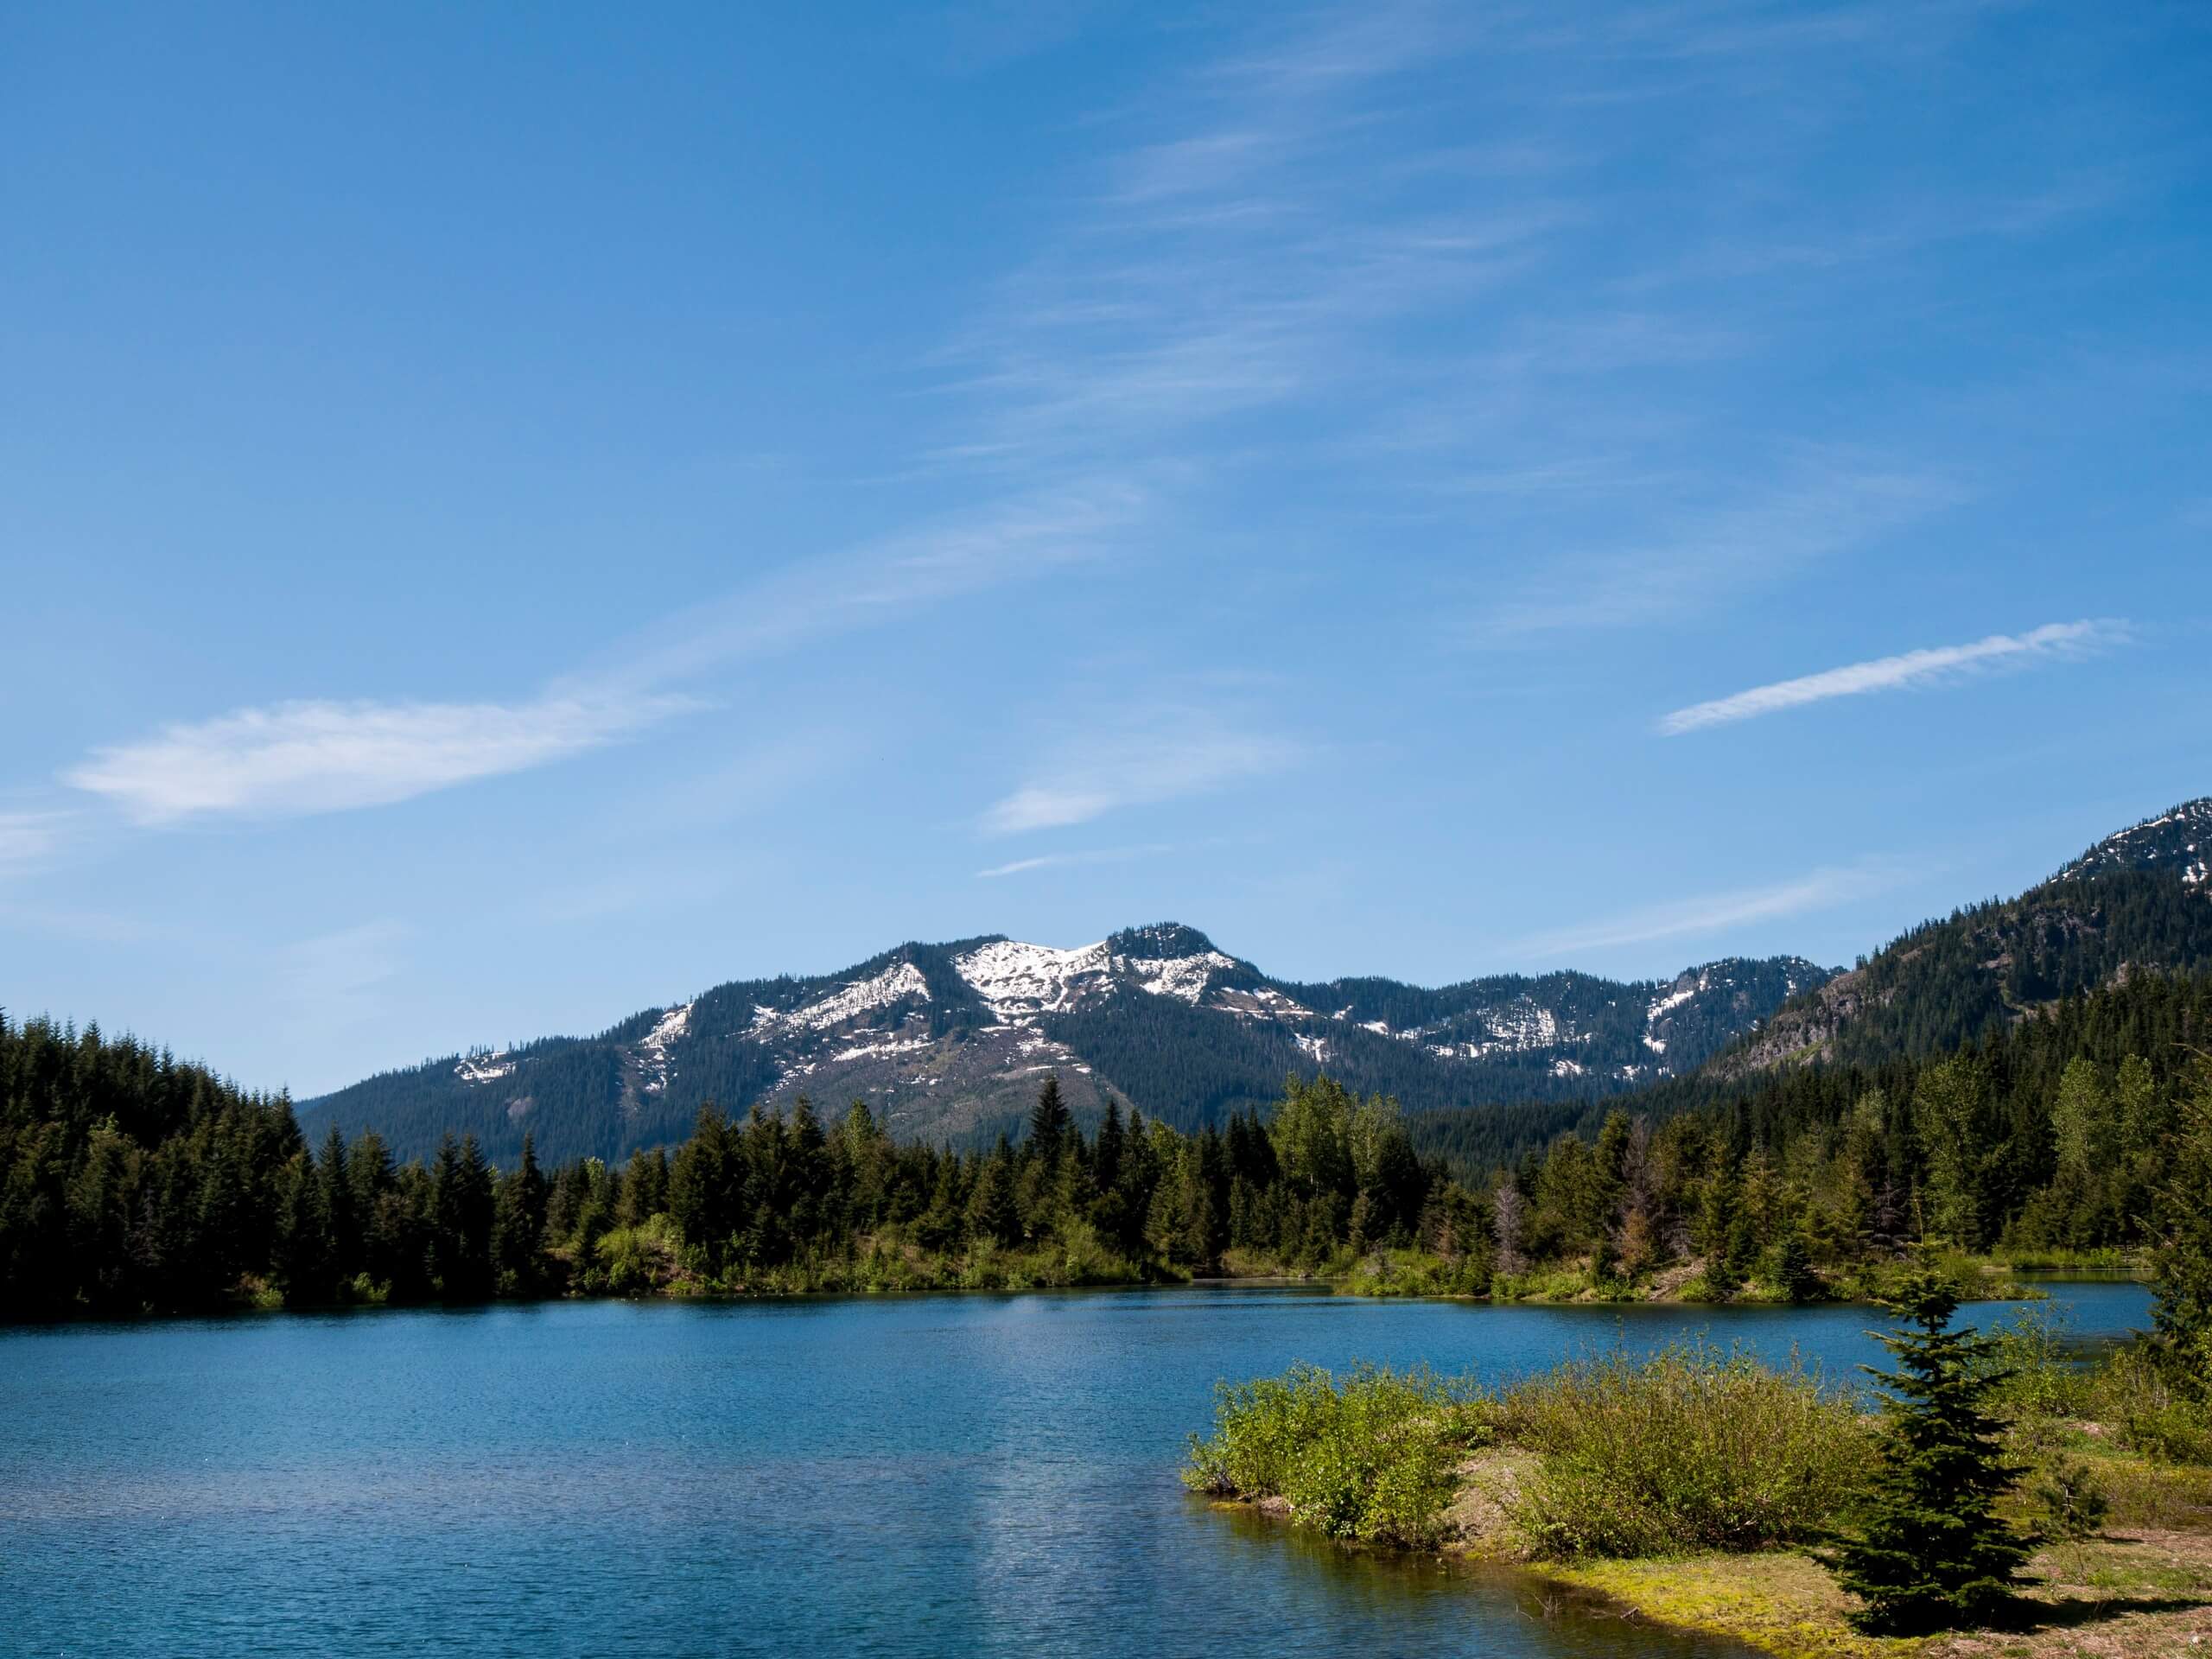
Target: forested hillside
point(2137, 900)
point(128, 1181)
point(2050, 1135)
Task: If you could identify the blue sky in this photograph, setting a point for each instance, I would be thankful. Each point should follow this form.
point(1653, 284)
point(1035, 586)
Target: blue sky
point(513, 519)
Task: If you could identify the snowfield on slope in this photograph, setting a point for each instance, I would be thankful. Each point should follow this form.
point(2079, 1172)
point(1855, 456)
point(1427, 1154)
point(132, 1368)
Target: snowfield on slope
point(1019, 983)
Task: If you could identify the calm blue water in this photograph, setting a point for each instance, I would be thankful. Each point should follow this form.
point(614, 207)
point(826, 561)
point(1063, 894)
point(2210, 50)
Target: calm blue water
point(937, 1477)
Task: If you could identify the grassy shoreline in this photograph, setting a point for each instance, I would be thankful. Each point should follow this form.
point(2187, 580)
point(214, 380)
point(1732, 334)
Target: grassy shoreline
point(1984, 1278)
point(1691, 1487)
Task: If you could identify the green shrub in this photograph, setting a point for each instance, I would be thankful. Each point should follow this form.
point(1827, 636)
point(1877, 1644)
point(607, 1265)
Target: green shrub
point(2138, 1397)
point(636, 1261)
point(2037, 1366)
point(1370, 1457)
point(1693, 1448)
point(2070, 1502)
point(1413, 1273)
point(1554, 1285)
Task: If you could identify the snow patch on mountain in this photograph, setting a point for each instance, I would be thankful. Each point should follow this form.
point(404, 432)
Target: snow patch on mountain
point(1182, 977)
point(1020, 983)
point(1521, 1025)
point(484, 1065)
point(894, 984)
point(652, 1047)
point(888, 1045)
point(1684, 989)
point(1264, 1003)
point(1687, 985)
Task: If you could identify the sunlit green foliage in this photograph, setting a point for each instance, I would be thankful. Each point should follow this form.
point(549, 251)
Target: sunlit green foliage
point(1372, 1456)
point(1691, 1448)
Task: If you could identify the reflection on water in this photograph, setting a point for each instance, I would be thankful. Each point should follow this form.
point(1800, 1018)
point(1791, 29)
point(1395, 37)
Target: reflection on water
point(986, 1475)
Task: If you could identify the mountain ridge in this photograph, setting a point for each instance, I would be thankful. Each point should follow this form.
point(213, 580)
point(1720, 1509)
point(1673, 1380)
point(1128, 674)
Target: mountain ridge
point(948, 1041)
point(2138, 900)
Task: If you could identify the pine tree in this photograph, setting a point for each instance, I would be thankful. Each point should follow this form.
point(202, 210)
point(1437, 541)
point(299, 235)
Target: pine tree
point(302, 1263)
point(338, 1200)
point(991, 1215)
point(460, 1207)
point(1048, 1122)
point(1790, 1265)
point(1719, 1208)
point(518, 1226)
point(1106, 1159)
point(1931, 1552)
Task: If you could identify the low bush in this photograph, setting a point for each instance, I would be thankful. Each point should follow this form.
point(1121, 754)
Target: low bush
point(1413, 1273)
point(1371, 1458)
point(2070, 1502)
point(1553, 1285)
point(640, 1261)
point(2138, 1397)
point(1692, 1448)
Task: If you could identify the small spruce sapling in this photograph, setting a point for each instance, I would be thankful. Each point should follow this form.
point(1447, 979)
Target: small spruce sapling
point(1931, 1552)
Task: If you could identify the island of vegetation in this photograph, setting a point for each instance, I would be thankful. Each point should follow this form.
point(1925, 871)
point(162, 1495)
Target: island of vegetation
point(132, 1183)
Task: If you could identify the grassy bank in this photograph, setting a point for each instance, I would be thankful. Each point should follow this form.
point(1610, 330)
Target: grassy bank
point(1418, 1273)
point(649, 1260)
point(1691, 1485)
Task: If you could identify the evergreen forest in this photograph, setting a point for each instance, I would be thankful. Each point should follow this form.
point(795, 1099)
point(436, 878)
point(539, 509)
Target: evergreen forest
point(130, 1182)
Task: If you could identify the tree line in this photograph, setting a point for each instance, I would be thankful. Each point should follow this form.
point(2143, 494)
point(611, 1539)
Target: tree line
point(130, 1182)
point(2052, 1136)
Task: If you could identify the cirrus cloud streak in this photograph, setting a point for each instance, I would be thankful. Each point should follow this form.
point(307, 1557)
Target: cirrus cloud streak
point(1909, 670)
point(1716, 912)
point(1185, 755)
point(299, 758)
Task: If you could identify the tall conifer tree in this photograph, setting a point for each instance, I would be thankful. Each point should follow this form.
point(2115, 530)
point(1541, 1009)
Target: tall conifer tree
point(1931, 1552)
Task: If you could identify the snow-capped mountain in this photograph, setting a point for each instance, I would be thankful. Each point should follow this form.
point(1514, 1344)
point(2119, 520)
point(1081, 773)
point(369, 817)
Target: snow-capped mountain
point(2139, 902)
point(2177, 839)
point(949, 1041)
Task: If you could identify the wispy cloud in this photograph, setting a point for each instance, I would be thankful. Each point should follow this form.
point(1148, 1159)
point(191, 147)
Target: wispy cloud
point(298, 757)
point(28, 838)
point(313, 756)
point(1252, 246)
point(1832, 504)
point(1166, 758)
point(1913, 669)
point(1014, 539)
point(1715, 912)
point(1065, 860)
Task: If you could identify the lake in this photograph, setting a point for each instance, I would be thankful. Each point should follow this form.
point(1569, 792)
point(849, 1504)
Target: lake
point(939, 1476)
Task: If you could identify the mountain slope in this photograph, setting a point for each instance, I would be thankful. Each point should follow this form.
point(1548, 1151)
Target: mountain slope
point(2137, 900)
point(950, 1042)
